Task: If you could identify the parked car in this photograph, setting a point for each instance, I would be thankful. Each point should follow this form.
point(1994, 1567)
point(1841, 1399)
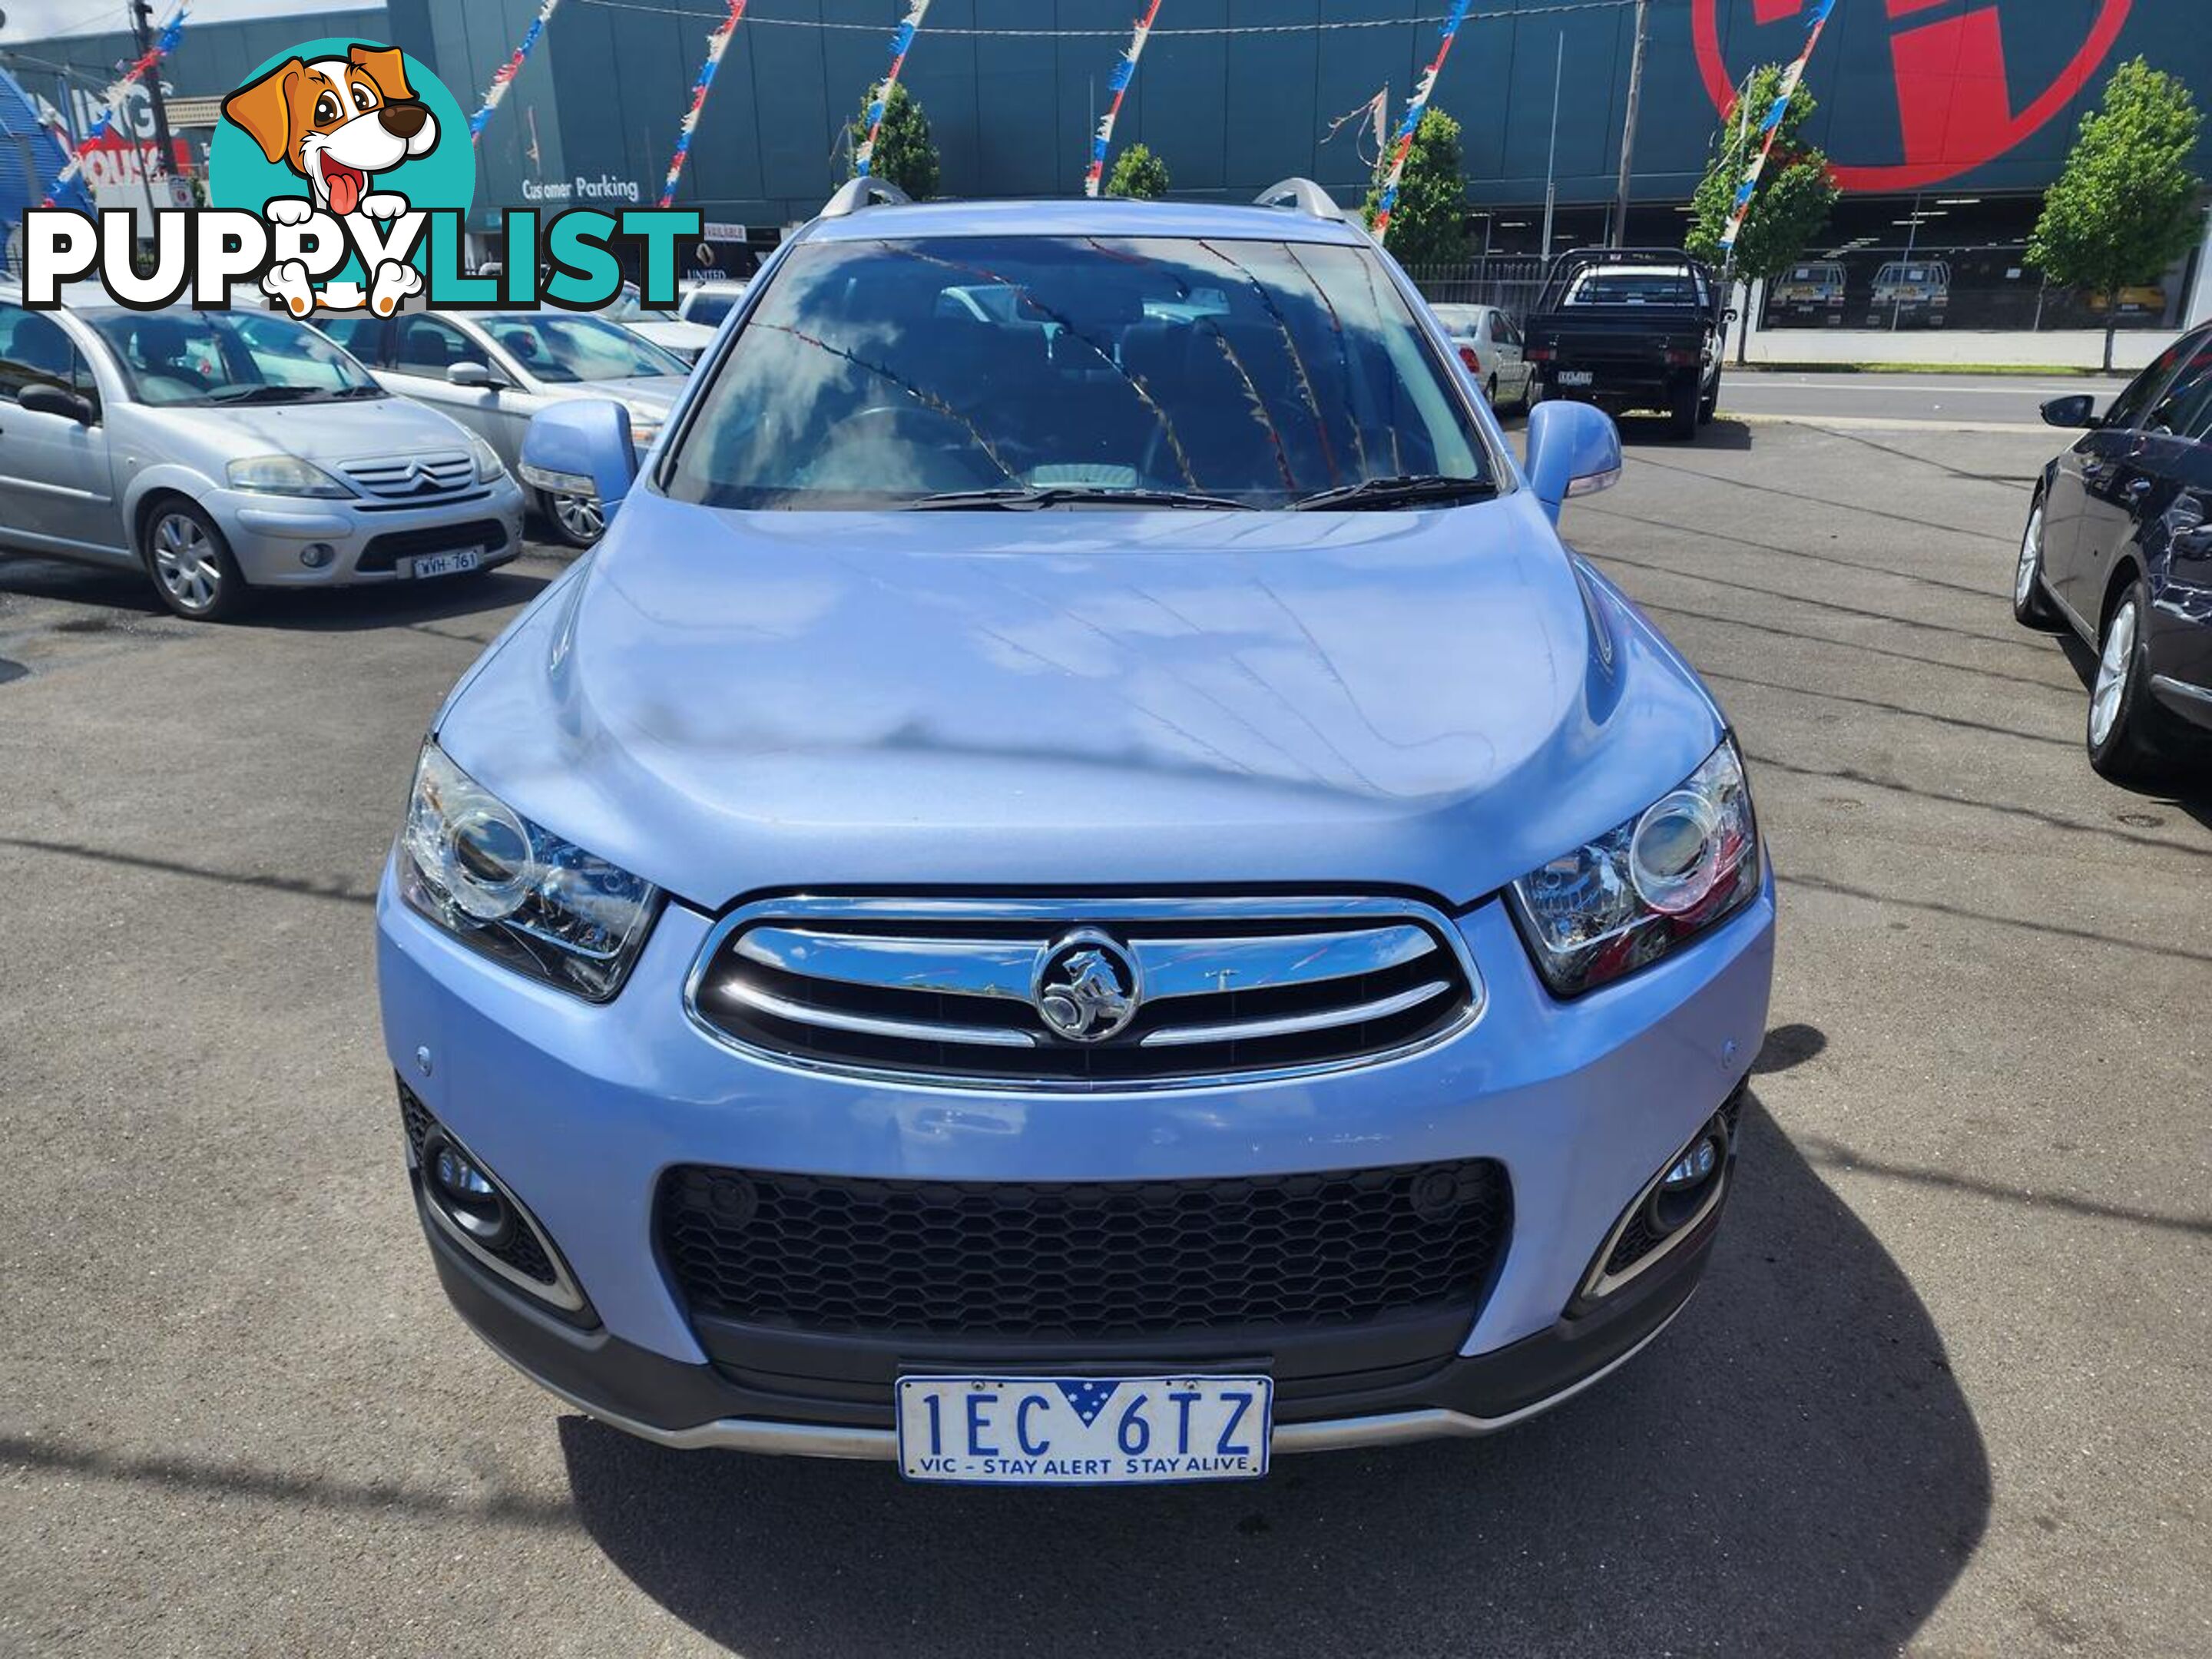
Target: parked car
point(668, 330)
point(1631, 328)
point(2118, 547)
point(706, 304)
point(1912, 291)
point(1081, 906)
point(1490, 345)
point(1816, 288)
point(224, 451)
point(493, 370)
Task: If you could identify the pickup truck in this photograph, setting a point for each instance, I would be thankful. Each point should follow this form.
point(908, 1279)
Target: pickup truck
point(1631, 328)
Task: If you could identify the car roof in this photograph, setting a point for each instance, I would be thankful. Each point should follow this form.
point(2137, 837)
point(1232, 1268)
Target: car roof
point(1080, 217)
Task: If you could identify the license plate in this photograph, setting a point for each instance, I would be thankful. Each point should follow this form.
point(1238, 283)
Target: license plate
point(1083, 1431)
point(446, 564)
point(1574, 377)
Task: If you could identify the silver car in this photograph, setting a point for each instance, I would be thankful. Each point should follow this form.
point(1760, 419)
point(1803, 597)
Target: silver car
point(1489, 343)
point(493, 370)
point(224, 451)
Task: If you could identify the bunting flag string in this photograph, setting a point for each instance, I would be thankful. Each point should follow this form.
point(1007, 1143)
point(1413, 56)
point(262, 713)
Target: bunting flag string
point(901, 40)
point(164, 44)
point(1770, 127)
point(1416, 107)
point(717, 44)
point(1124, 72)
point(503, 77)
point(715, 47)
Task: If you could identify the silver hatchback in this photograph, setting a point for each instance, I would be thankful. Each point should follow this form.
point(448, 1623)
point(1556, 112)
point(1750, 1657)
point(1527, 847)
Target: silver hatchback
point(224, 451)
point(492, 371)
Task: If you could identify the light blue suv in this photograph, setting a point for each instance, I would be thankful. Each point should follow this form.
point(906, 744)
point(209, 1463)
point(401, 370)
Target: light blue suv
point(1082, 890)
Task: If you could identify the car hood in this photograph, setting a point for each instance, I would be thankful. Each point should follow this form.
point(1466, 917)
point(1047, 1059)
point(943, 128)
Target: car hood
point(725, 702)
point(321, 433)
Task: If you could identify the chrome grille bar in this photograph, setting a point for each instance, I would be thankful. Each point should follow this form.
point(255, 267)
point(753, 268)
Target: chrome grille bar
point(404, 477)
point(1083, 993)
point(801, 1014)
point(1247, 1030)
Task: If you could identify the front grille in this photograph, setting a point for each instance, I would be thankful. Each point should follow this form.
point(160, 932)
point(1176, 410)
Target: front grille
point(1103, 1260)
point(1182, 992)
point(385, 552)
point(413, 477)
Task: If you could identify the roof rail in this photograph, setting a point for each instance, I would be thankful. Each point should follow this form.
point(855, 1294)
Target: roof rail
point(856, 193)
point(1300, 195)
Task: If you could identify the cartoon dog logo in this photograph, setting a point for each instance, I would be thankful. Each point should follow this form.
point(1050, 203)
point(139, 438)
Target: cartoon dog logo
point(337, 121)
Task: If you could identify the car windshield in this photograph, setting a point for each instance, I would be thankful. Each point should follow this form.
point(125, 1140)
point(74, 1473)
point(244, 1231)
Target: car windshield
point(1459, 320)
point(213, 357)
point(1175, 371)
point(568, 349)
point(1632, 288)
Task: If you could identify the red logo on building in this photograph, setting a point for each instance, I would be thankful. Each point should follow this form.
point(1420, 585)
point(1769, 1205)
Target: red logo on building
point(1956, 106)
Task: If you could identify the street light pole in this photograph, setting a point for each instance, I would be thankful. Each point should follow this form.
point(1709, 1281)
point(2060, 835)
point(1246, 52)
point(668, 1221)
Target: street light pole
point(141, 29)
point(1552, 156)
point(1628, 126)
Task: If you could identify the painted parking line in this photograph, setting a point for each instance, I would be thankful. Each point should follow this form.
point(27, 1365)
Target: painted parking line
point(1878, 422)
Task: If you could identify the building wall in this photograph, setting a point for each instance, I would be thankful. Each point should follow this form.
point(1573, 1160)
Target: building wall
point(1979, 95)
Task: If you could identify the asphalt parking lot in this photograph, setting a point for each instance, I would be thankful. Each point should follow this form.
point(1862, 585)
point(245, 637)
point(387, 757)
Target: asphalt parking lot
point(1945, 1388)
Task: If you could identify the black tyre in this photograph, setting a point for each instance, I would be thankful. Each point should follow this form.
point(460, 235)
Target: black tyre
point(190, 563)
point(2130, 737)
point(2031, 603)
point(574, 520)
point(1682, 409)
point(1489, 393)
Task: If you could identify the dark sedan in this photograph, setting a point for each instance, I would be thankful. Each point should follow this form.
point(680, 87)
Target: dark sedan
point(2118, 547)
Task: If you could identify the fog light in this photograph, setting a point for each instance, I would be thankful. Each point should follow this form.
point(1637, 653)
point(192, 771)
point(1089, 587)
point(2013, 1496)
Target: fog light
point(468, 1195)
point(1697, 1163)
point(316, 555)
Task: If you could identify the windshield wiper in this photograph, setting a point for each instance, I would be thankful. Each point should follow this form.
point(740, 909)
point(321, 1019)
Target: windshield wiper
point(1400, 491)
point(1023, 498)
point(263, 394)
point(356, 392)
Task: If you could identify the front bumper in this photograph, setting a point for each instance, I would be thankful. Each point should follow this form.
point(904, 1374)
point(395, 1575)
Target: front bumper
point(369, 542)
point(579, 1110)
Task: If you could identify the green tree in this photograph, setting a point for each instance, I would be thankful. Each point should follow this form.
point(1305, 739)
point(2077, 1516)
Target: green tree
point(1795, 192)
point(1429, 225)
point(2125, 207)
point(1139, 173)
point(904, 155)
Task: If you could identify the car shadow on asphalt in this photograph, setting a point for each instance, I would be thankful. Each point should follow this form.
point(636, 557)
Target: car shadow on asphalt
point(126, 597)
point(1720, 433)
point(1791, 1469)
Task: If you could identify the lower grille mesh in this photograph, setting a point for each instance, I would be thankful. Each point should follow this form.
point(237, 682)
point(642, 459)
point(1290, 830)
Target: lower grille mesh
point(1082, 1259)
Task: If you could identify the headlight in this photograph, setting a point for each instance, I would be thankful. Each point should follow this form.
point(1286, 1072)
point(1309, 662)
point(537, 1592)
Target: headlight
point(515, 890)
point(1633, 895)
point(283, 475)
point(490, 468)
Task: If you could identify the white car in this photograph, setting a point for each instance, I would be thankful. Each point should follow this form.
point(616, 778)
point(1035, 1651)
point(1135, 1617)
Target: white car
point(670, 333)
point(1489, 343)
point(706, 304)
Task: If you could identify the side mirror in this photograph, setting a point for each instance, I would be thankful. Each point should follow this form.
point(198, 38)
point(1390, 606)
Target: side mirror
point(581, 448)
point(1574, 449)
point(44, 399)
point(2076, 409)
point(467, 373)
